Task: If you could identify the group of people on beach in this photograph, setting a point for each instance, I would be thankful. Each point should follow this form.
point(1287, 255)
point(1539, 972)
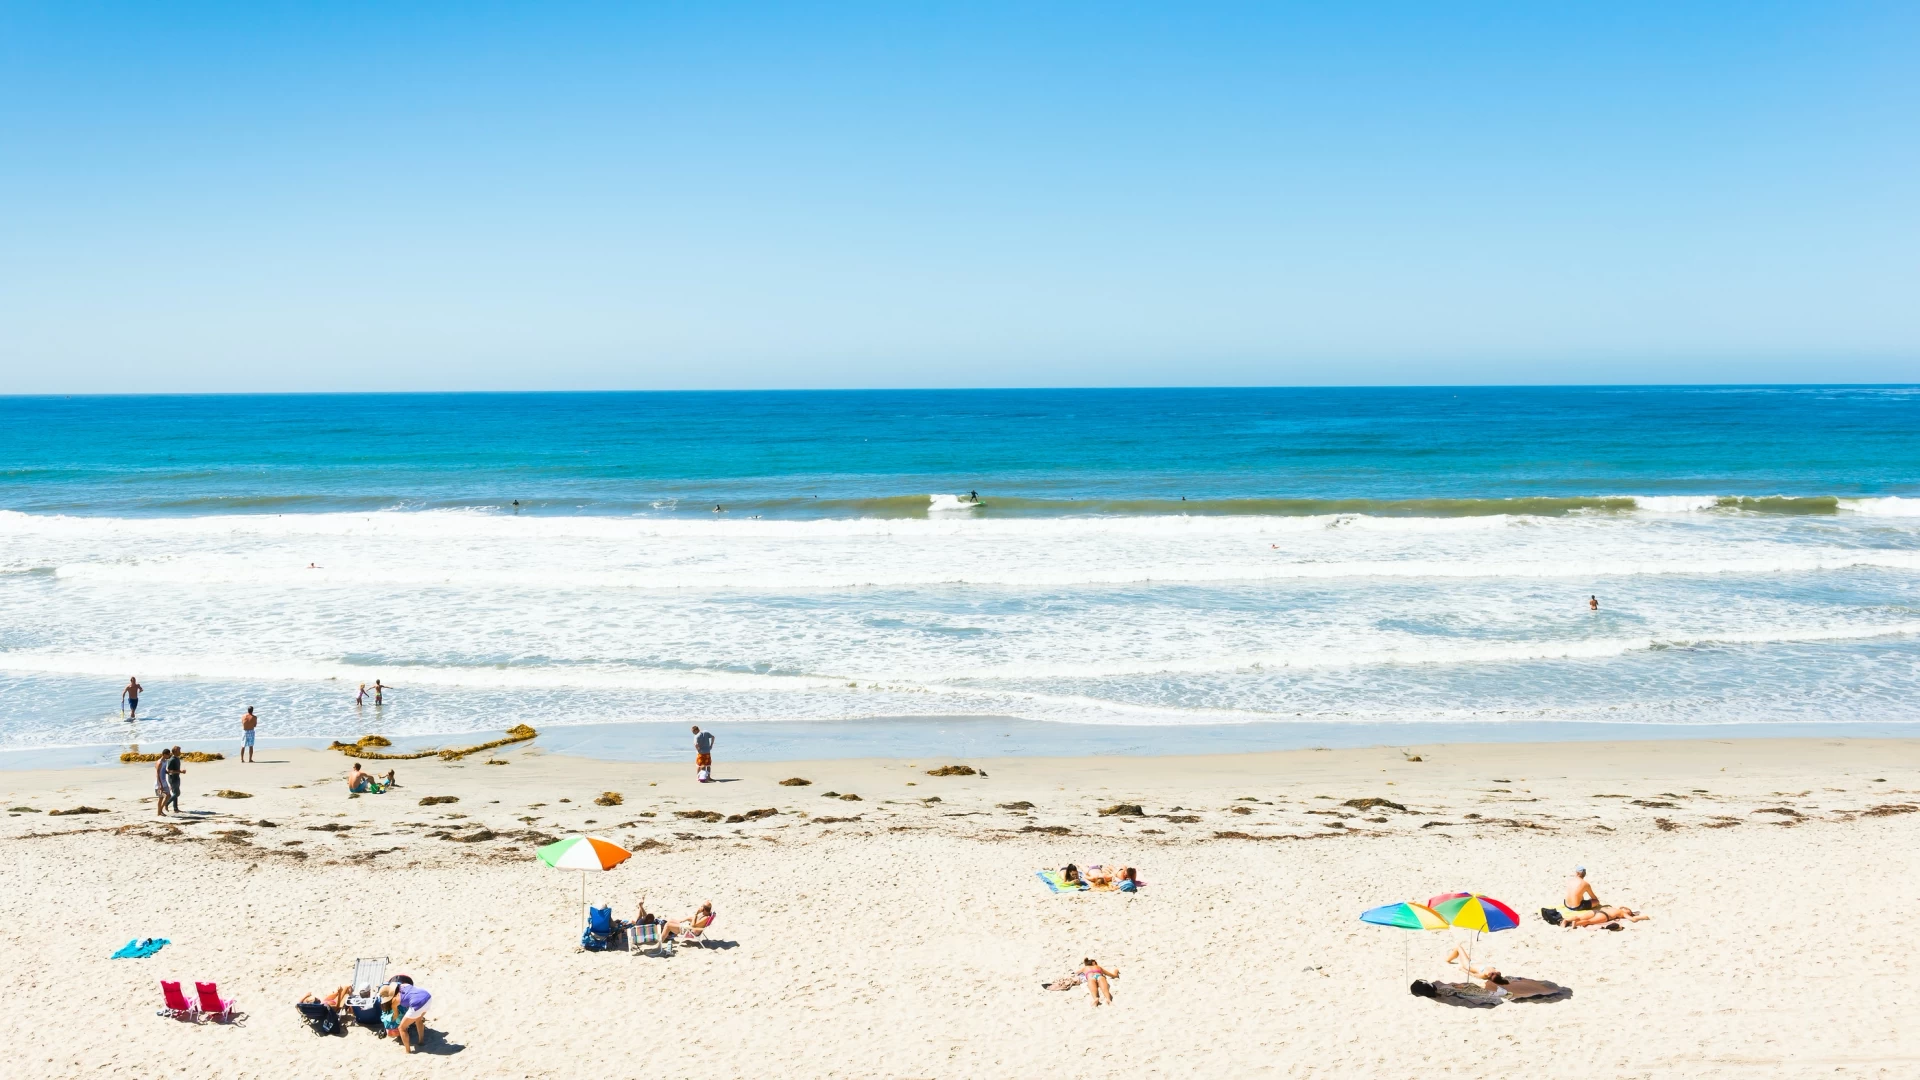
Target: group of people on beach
point(1580, 907)
point(402, 1009)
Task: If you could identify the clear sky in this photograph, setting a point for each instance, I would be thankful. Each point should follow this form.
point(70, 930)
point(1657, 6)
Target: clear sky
point(269, 196)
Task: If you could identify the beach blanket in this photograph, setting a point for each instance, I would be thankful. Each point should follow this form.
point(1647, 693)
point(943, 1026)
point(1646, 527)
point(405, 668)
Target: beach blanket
point(1056, 883)
point(140, 947)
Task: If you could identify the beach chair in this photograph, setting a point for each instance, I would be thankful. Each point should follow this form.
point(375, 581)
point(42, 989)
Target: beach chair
point(323, 1018)
point(697, 935)
point(600, 930)
point(369, 975)
point(646, 937)
point(178, 1007)
point(211, 1004)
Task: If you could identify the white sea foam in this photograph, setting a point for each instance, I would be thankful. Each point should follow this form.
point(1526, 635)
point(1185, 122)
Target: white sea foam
point(1163, 619)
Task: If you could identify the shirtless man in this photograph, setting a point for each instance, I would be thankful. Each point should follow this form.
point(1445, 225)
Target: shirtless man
point(1580, 895)
point(1603, 916)
point(131, 695)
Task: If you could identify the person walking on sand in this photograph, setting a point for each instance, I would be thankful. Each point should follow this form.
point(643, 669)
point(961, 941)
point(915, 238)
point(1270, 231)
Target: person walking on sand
point(702, 754)
point(131, 695)
point(1580, 894)
point(247, 724)
point(173, 780)
point(160, 784)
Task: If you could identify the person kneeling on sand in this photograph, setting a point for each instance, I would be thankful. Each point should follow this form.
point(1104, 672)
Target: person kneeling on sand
point(1603, 916)
point(1096, 978)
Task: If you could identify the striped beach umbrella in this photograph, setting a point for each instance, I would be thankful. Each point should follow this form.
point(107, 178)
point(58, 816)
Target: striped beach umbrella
point(1406, 915)
point(1471, 911)
point(583, 853)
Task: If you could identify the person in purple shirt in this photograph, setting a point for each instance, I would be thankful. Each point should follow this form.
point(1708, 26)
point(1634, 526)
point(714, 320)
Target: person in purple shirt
point(414, 1001)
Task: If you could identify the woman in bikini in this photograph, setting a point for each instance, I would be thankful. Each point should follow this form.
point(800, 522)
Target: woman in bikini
point(1096, 978)
point(1603, 916)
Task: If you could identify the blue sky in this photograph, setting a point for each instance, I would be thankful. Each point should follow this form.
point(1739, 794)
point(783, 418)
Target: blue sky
point(340, 197)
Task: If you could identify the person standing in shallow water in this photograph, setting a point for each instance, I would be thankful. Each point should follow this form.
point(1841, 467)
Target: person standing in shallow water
point(702, 754)
point(131, 695)
point(1593, 603)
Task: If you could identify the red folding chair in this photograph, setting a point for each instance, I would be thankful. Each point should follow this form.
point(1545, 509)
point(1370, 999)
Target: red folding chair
point(210, 1003)
point(178, 1007)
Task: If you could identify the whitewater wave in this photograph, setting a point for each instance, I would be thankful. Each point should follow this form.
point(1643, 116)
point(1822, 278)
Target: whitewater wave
point(905, 678)
point(308, 513)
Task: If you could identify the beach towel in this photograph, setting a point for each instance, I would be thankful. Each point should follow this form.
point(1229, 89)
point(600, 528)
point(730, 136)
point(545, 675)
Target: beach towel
point(1064, 982)
point(1056, 883)
point(140, 948)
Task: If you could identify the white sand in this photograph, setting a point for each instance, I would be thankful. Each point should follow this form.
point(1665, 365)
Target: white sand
point(913, 941)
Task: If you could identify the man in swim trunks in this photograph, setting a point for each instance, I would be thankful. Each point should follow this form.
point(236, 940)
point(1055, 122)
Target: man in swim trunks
point(1580, 895)
point(702, 754)
point(247, 724)
point(132, 697)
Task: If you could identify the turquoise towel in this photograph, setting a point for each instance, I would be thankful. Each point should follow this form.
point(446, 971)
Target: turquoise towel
point(137, 949)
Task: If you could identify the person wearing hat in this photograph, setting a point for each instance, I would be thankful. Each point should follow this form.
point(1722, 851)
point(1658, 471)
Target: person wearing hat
point(1580, 894)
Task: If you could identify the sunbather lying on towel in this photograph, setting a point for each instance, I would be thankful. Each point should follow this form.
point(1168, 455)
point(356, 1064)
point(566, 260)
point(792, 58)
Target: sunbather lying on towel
point(1111, 877)
point(1603, 916)
point(1504, 985)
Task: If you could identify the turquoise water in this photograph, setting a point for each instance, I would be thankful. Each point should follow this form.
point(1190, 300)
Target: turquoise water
point(1261, 561)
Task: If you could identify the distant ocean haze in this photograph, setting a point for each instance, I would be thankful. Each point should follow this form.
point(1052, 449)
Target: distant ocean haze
point(1340, 556)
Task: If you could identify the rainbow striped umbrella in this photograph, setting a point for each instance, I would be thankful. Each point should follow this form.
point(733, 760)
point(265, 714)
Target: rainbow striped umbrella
point(1406, 915)
point(1471, 911)
point(583, 853)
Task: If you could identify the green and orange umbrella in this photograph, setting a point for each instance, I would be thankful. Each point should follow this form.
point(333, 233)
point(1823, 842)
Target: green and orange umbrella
point(583, 853)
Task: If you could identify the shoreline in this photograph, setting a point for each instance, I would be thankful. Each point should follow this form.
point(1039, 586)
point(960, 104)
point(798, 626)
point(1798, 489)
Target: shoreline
point(1012, 738)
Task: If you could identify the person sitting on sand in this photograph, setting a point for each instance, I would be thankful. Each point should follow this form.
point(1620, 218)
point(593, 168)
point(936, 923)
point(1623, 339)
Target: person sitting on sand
point(1505, 986)
point(1603, 916)
point(388, 781)
point(1096, 978)
point(699, 920)
point(1580, 894)
point(358, 779)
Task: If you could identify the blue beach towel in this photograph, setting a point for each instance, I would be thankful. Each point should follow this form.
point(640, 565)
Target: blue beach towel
point(139, 948)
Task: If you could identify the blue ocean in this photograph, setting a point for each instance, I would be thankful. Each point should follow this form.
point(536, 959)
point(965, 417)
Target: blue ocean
point(1158, 567)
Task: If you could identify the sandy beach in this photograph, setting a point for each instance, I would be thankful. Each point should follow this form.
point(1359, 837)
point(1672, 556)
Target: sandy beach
point(905, 934)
